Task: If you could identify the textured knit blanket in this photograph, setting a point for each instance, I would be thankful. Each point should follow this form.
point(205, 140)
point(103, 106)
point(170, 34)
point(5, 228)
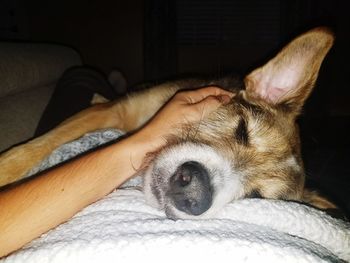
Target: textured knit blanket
point(122, 227)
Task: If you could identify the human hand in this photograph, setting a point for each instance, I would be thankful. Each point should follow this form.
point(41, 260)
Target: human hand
point(185, 107)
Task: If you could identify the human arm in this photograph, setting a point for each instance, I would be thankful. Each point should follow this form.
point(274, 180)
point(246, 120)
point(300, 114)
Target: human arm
point(34, 207)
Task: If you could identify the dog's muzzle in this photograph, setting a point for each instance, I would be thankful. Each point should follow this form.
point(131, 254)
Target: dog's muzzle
point(191, 181)
point(190, 188)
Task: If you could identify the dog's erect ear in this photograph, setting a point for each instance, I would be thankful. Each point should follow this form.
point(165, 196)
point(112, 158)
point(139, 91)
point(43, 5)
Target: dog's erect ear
point(289, 77)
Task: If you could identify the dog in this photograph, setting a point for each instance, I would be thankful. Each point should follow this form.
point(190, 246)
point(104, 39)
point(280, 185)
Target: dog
point(247, 148)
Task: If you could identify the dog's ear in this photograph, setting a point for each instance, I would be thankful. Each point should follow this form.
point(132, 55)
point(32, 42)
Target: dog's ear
point(316, 200)
point(289, 77)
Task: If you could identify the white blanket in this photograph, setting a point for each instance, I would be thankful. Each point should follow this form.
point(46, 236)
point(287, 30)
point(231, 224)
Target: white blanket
point(123, 228)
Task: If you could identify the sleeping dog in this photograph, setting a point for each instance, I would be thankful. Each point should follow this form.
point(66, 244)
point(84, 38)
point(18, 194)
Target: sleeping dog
point(249, 147)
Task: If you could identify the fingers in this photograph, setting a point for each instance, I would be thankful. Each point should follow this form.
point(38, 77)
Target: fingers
point(195, 96)
point(211, 103)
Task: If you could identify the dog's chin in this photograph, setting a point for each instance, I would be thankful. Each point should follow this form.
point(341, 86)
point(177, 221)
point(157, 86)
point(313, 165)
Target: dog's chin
point(225, 184)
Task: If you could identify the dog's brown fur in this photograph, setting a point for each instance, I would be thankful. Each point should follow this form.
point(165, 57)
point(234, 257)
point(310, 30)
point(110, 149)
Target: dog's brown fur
point(265, 112)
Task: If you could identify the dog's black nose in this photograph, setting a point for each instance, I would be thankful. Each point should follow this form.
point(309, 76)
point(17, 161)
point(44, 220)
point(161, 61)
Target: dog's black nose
point(190, 188)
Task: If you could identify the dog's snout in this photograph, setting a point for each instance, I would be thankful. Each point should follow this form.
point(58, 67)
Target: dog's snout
point(190, 188)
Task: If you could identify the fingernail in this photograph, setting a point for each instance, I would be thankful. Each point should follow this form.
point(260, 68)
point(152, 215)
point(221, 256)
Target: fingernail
point(224, 99)
point(231, 94)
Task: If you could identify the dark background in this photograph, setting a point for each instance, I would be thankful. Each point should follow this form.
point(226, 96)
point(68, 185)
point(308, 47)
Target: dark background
point(158, 39)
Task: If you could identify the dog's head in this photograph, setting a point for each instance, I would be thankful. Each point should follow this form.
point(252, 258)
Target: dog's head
point(249, 147)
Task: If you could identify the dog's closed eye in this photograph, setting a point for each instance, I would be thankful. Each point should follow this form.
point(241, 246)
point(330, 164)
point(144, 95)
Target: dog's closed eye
point(241, 132)
point(254, 194)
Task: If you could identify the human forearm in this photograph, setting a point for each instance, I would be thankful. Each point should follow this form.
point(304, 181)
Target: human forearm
point(34, 207)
